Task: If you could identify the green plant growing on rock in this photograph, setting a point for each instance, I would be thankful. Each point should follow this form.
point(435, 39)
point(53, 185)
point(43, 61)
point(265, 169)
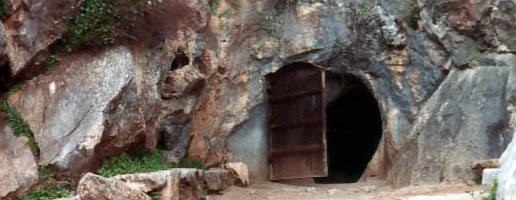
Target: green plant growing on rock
point(155, 195)
point(101, 22)
point(138, 162)
point(477, 179)
point(364, 12)
point(46, 194)
point(4, 10)
point(435, 13)
point(50, 61)
point(19, 126)
point(213, 7)
point(46, 175)
point(492, 192)
point(363, 9)
point(14, 89)
point(475, 53)
point(414, 17)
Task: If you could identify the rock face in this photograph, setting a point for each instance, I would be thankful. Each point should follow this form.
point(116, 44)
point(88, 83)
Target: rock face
point(33, 27)
point(93, 187)
point(18, 168)
point(439, 70)
point(91, 104)
point(450, 122)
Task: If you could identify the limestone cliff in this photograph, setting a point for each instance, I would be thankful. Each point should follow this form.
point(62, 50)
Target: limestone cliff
point(440, 71)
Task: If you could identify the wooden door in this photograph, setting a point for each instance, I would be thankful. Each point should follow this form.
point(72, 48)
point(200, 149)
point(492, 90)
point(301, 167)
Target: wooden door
point(296, 122)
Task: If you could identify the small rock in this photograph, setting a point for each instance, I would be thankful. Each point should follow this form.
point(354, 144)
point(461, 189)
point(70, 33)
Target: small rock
point(94, 187)
point(310, 190)
point(332, 191)
point(252, 192)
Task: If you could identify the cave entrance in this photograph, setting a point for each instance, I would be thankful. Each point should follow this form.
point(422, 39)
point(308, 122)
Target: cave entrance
point(353, 131)
point(328, 130)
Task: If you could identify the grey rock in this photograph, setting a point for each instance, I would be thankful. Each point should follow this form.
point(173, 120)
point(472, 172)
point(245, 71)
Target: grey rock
point(447, 134)
point(502, 20)
point(92, 104)
point(18, 168)
point(33, 27)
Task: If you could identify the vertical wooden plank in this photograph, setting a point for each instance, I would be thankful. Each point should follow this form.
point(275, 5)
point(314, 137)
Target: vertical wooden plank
point(296, 122)
point(323, 114)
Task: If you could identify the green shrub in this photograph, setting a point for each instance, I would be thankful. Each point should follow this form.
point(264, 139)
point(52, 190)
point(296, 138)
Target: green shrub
point(477, 179)
point(414, 17)
point(364, 9)
point(140, 163)
point(50, 61)
point(213, 7)
point(101, 22)
point(46, 194)
point(46, 175)
point(475, 53)
point(14, 89)
point(155, 195)
point(3, 9)
point(19, 126)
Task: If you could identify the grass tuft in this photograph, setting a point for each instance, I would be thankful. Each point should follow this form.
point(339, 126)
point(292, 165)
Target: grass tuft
point(46, 194)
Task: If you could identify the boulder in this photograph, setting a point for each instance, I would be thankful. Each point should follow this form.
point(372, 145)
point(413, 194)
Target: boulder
point(93, 187)
point(239, 170)
point(18, 167)
point(217, 180)
point(190, 182)
point(456, 128)
point(105, 101)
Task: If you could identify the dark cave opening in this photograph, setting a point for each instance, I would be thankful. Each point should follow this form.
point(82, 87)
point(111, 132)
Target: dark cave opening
point(354, 130)
point(179, 61)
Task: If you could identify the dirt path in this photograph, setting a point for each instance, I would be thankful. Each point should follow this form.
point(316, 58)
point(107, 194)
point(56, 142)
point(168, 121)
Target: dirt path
point(370, 190)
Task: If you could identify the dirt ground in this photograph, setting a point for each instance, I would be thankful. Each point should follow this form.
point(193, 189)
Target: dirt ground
point(369, 190)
